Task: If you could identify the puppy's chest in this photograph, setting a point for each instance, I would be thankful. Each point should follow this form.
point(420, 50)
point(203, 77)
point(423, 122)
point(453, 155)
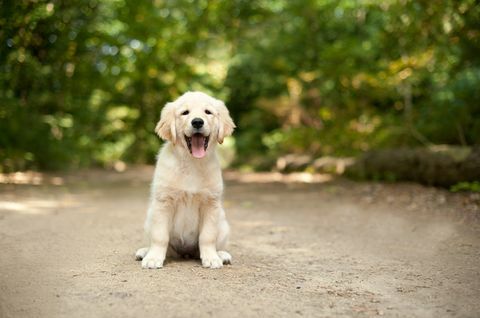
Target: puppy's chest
point(194, 180)
point(186, 220)
point(197, 185)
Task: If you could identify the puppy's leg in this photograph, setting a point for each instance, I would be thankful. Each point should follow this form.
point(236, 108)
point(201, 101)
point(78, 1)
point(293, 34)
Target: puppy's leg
point(222, 240)
point(158, 224)
point(209, 222)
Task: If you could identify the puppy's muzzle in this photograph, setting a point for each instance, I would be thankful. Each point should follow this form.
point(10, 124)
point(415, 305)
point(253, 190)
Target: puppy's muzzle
point(197, 123)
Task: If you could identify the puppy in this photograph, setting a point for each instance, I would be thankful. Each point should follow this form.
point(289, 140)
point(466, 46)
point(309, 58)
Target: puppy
point(185, 215)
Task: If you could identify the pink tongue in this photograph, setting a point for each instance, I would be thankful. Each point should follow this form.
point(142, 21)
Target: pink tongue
point(198, 142)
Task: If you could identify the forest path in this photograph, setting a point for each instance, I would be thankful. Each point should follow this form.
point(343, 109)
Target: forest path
point(327, 248)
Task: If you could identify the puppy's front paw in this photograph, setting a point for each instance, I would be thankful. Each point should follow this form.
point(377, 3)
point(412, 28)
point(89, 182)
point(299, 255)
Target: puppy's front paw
point(153, 260)
point(225, 257)
point(212, 261)
point(140, 254)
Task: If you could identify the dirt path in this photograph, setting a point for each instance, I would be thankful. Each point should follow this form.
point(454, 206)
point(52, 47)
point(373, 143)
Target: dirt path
point(332, 248)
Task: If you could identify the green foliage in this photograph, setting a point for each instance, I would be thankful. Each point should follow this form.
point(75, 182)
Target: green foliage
point(343, 77)
point(82, 82)
point(466, 186)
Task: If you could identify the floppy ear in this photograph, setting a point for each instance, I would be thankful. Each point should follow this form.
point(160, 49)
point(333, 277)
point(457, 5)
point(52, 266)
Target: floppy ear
point(166, 126)
point(225, 122)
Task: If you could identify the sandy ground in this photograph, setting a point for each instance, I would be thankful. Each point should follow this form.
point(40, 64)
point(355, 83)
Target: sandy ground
point(322, 249)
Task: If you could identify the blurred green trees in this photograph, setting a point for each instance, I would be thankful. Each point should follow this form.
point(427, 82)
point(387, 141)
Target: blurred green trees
point(340, 77)
point(82, 82)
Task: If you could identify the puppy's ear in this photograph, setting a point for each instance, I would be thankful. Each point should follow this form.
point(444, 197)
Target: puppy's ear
point(225, 122)
point(166, 126)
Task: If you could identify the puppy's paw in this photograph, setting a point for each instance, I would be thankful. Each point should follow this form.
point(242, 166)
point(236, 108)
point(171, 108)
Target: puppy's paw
point(212, 261)
point(140, 254)
point(153, 260)
point(225, 257)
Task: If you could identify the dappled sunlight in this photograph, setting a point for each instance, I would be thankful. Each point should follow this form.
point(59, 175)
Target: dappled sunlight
point(29, 178)
point(254, 224)
point(36, 206)
point(267, 177)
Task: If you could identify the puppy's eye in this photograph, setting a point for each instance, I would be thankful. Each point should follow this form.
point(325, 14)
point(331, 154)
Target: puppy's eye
point(185, 113)
point(208, 112)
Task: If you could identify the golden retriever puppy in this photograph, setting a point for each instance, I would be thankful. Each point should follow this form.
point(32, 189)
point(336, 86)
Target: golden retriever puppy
point(185, 216)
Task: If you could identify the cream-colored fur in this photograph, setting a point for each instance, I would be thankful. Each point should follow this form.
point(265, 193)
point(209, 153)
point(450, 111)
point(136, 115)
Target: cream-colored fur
point(185, 214)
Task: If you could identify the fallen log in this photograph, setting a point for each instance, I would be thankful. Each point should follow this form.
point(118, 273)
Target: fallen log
point(438, 166)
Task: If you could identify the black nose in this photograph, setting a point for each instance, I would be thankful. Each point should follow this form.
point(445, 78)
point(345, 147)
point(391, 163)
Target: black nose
point(197, 123)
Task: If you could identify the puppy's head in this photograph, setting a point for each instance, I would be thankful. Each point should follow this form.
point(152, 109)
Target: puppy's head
point(195, 121)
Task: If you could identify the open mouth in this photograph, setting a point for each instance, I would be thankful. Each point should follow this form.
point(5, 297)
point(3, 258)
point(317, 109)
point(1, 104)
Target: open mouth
point(197, 145)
